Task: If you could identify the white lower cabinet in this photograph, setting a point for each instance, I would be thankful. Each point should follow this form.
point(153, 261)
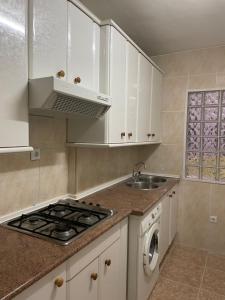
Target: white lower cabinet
point(84, 286)
point(51, 287)
point(168, 221)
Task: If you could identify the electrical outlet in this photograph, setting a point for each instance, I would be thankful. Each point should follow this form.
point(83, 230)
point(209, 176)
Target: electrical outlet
point(35, 154)
point(213, 219)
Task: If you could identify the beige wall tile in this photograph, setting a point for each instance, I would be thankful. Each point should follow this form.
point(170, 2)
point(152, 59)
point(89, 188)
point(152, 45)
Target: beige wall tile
point(220, 80)
point(18, 182)
point(174, 93)
point(53, 173)
point(205, 81)
point(172, 127)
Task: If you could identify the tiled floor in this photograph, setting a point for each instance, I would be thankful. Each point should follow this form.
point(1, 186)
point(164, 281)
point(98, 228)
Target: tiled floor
point(190, 274)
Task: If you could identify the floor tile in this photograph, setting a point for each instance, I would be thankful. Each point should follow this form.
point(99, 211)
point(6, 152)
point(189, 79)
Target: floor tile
point(169, 290)
point(189, 255)
point(216, 262)
point(206, 295)
point(183, 272)
point(214, 280)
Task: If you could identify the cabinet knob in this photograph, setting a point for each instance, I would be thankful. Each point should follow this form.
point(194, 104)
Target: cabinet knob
point(130, 134)
point(77, 80)
point(108, 262)
point(149, 135)
point(94, 276)
point(61, 74)
point(59, 281)
point(174, 192)
point(153, 134)
point(170, 195)
point(123, 134)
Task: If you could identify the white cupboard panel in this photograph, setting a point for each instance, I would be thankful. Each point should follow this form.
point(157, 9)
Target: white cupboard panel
point(117, 87)
point(132, 92)
point(155, 109)
point(173, 214)
point(109, 262)
point(144, 98)
point(83, 286)
point(46, 288)
point(48, 37)
point(14, 131)
point(83, 48)
point(164, 237)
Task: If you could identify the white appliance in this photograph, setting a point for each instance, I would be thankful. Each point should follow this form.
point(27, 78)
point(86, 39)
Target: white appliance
point(143, 254)
point(52, 96)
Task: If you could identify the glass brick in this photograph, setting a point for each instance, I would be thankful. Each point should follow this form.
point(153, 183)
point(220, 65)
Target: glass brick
point(195, 99)
point(194, 114)
point(222, 145)
point(210, 144)
point(194, 129)
point(210, 129)
point(222, 175)
point(192, 158)
point(223, 114)
point(193, 144)
point(209, 159)
point(211, 113)
point(223, 97)
point(222, 130)
point(209, 174)
point(222, 160)
point(192, 172)
point(212, 98)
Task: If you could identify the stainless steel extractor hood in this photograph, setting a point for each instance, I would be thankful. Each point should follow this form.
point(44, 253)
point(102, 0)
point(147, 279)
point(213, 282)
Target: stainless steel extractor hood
point(51, 96)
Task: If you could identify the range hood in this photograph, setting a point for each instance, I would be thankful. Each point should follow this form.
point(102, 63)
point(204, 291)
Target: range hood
point(52, 96)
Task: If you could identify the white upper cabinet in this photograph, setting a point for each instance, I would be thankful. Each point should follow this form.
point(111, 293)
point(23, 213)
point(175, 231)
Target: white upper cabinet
point(14, 131)
point(155, 107)
point(132, 92)
point(83, 49)
point(117, 86)
point(47, 38)
point(144, 98)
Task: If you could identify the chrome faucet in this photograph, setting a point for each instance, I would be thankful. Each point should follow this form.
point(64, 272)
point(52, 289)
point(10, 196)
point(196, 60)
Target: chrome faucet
point(137, 169)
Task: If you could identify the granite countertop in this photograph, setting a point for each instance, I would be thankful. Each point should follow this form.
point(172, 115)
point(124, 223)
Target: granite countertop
point(25, 259)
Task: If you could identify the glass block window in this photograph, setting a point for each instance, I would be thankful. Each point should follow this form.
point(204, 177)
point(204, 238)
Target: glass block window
point(205, 136)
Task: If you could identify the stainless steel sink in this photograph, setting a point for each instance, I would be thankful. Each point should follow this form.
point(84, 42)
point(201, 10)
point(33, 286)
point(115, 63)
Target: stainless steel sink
point(146, 182)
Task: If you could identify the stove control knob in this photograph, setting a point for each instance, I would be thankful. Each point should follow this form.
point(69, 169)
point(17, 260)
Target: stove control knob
point(94, 276)
point(59, 281)
point(83, 202)
point(76, 200)
point(98, 204)
point(90, 203)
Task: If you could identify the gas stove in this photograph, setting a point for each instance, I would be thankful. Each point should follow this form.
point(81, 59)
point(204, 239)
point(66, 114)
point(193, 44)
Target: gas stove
point(62, 222)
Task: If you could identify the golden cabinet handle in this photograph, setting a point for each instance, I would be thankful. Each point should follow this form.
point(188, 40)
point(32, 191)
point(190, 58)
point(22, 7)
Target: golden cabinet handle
point(123, 134)
point(77, 80)
point(61, 74)
point(94, 276)
point(59, 281)
point(130, 134)
point(108, 262)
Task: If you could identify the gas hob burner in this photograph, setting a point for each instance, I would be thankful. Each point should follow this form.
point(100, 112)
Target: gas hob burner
point(61, 222)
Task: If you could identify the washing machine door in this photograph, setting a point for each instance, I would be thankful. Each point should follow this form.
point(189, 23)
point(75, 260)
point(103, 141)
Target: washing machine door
point(151, 250)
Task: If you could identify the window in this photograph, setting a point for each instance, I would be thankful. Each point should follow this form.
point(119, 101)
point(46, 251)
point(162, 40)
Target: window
point(205, 136)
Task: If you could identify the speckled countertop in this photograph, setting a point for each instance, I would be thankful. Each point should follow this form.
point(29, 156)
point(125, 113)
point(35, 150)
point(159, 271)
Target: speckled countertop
point(25, 259)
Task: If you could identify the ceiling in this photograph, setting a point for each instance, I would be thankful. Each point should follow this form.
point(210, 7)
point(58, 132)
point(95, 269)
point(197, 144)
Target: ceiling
point(164, 26)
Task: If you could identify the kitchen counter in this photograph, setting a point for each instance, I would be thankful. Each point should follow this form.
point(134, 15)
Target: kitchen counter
point(25, 259)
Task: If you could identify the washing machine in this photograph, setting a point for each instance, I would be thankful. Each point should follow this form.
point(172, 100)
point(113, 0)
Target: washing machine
point(143, 253)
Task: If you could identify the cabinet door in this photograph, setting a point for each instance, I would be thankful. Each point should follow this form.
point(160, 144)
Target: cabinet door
point(173, 214)
point(83, 49)
point(13, 77)
point(144, 98)
point(117, 87)
point(110, 273)
point(47, 288)
point(132, 90)
point(155, 108)
point(164, 236)
point(48, 39)
point(84, 286)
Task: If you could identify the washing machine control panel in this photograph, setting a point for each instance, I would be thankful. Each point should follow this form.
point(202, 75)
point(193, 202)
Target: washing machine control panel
point(152, 217)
